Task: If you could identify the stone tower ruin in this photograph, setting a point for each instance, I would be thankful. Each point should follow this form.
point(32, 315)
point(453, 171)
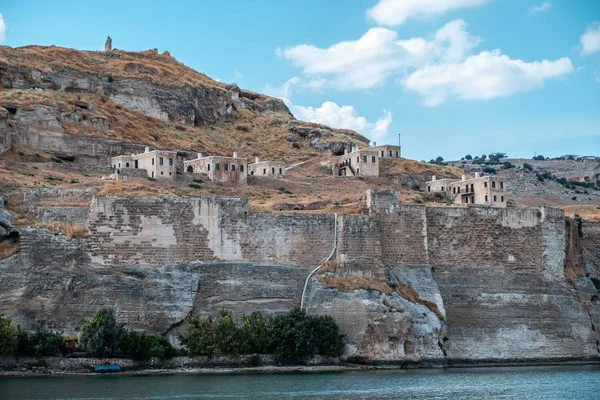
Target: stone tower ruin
point(108, 44)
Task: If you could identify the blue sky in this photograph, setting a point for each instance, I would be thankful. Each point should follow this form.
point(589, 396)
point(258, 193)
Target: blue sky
point(452, 76)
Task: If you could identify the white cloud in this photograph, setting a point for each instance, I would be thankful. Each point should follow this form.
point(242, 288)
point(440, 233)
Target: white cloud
point(544, 7)
point(370, 60)
point(487, 75)
point(284, 91)
point(238, 75)
point(343, 117)
point(395, 12)
point(590, 40)
point(2, 29)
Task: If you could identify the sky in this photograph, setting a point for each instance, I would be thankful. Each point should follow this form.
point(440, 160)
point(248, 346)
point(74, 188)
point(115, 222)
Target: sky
point(452, 77)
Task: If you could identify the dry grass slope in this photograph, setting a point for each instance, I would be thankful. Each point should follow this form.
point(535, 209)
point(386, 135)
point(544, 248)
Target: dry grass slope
point(8, 248)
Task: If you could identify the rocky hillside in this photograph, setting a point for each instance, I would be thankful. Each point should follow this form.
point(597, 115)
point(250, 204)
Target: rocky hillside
point(144, 98)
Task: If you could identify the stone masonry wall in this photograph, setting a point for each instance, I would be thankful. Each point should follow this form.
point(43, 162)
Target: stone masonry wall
point(478, 236)
point(154, 232)
point(358, 239)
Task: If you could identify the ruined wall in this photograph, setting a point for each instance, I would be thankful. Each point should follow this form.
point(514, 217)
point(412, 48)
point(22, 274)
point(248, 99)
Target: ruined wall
point(358, 240)
point(151, 231)
point(477, 236)
point(404, 236)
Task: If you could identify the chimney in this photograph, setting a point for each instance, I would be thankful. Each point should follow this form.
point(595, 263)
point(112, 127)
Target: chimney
point(235, 154)
point(256, 160)
point(477, 175)
point(199, 155)
point(433, 178)
point(147, 149)
point(464, 177)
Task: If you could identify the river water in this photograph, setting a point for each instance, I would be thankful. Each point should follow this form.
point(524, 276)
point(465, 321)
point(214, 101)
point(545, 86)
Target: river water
point(581, 382)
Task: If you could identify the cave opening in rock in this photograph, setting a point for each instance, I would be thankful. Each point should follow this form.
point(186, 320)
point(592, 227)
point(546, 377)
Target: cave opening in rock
point(595, 299)
point(11, 109)
point(66, 158)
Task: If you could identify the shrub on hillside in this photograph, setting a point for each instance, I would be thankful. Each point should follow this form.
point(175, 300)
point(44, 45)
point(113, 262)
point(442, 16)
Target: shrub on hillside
point(528, 167)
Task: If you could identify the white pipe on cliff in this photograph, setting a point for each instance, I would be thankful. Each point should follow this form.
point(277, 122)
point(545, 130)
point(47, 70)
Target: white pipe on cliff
point(316, 269)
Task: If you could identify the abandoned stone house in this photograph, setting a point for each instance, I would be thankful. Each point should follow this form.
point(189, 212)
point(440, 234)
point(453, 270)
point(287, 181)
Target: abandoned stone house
point(232, 170)
point(159, 164)
point(387, 150)
point(482, 190)
point(359, 162)
point(266, 168)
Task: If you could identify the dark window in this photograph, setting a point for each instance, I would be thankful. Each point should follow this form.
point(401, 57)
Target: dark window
point(467, 189)
point(429, 188)
point(190, 169)
point(264, 171)
point(232, 167)
point(126, 165)
point(251, 172)
point(372, 159)
point(225, 166)
point(486, 198)
point(472, 188)
point(357, 171)
point(170, 161)
point(161, 173)
point(390, 153)
point(442, 188)
point(495, 198)
point(208, 167)
point(382, 153)
point(170, 173)
point(153, 173)
point(357, 159)
point(119, 165)
point(216, 166)
point(501, 185)
point(152, 160)
point(453, 190)
point(161, 161)
point(135, 164)
point(280, 171)
point(242, 168)
point(114, 165)
point(502, 199)
point(484, 184)
point(364, 158)
point(396, 154)
point(494, 185)
point(273, 170)
point(459, 190)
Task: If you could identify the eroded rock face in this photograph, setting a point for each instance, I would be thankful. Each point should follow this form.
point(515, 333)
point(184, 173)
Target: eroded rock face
point(186, 105)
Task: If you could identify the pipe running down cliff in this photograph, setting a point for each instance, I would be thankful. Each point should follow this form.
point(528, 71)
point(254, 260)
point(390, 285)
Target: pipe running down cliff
point(335, 233)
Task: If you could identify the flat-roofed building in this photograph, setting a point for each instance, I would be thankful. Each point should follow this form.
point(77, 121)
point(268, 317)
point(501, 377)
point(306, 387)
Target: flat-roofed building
point(386, 150)
point(482, 190)
point(359, 162)
point(159, 164)
point(232, 170)
point(266, 168)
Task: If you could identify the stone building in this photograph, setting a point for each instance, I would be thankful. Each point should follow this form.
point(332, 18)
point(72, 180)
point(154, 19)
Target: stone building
point(219, 169)
point(157, 163)
point(108, 44)
point(359, 162)
point(266, 168)
point(387, 150)
point(483, 190)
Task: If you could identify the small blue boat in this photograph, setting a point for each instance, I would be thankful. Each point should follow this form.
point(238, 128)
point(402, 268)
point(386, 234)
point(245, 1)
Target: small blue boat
point(107, 368)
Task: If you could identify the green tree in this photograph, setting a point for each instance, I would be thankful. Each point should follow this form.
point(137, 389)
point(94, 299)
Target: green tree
point(143, 346)
point(100, 334)
point(439, 159)
point(199, 337)
point(327, 336)
point(256, 332)
point(293, 339)
point(227, 334)
point(468, 157)
point(9, 336)
point(45, 343)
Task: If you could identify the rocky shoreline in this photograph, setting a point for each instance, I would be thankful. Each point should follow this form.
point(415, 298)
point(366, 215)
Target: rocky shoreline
point(31, 366)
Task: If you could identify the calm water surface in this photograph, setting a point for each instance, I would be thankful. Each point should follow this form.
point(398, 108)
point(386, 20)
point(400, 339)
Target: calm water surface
point(582, 382)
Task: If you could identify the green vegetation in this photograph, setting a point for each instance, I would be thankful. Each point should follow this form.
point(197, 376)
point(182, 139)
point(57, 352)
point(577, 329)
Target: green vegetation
point(143, 346)
point(489, 170)
point(528, 167)
point(295, 145)
point(283, 190)
point(181, 128)
point(195, 186)
point(99, 335)
point(291, 337)
point(150, 178)
point(242, 128)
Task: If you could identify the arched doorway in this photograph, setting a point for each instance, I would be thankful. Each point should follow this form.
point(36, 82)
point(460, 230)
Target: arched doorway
point(190, 169)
